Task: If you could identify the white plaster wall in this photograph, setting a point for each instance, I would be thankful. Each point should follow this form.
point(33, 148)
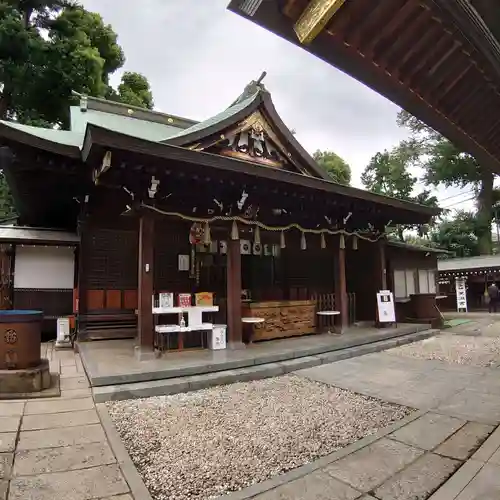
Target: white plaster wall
point(44, 267)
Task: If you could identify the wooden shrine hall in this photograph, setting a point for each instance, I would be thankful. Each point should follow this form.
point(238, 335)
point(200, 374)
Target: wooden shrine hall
point(230, 218)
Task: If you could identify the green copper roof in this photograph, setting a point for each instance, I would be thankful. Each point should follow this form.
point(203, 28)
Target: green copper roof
point(142, 129)
point(66, 137)
point(220, 117)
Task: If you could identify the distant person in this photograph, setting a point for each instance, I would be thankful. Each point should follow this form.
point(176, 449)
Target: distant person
point(493, 296)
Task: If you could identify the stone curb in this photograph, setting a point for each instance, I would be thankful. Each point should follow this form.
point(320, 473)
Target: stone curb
point(133, 478)
point(344, 344)
point(177, 385)
point(463, 476)
point(280, 480)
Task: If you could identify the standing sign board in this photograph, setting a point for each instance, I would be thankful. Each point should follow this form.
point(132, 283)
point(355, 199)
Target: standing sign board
point(461, 294)
point(385, 307)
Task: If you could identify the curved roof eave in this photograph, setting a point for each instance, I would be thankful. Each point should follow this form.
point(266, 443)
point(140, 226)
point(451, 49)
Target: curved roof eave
point(23, 136)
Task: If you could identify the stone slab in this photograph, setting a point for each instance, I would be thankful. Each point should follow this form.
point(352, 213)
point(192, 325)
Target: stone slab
point(58, 420)
point(96, 482)
point(11, 408)
point(315, 486)
point(475, 406)
point(484, 486)
point(74, 383)
point(419, 479)
point(67, 436)
point(6, 460)
point(451, 488)
point(132, 476)
point(57, 406)
point(428, 431)
point(3, 489)
point(76, 394)
point(63, 459)
point(119, 497)
point(100, 377)
point(9, 424)
point(466, 441)
point(371, 466)
point(7, 441)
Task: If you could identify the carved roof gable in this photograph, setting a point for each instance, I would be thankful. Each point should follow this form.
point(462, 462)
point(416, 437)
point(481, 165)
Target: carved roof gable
point(251, 130)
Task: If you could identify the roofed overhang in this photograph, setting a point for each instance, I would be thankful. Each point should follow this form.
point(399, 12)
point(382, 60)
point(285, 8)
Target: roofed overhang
point(169, 157)
point(435, 58)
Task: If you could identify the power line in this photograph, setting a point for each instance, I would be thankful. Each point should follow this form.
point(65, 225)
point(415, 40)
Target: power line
point(458, 194)
point(460, 201)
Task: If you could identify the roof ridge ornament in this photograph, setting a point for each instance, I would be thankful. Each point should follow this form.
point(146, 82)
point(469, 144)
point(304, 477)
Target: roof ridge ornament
point(251, 89)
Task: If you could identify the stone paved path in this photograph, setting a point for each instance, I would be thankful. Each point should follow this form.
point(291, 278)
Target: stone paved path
point(62, 448)
point(459, 407)
point(56, 449)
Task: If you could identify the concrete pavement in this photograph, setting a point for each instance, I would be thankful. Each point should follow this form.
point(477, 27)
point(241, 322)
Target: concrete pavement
point(58, 448)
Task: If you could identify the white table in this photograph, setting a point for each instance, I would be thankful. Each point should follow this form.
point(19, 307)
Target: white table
point(328, 313)
point(195, 320)
point(194, 313)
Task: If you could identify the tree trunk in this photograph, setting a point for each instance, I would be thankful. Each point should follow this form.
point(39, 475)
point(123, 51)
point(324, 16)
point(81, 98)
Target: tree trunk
point(485, 213)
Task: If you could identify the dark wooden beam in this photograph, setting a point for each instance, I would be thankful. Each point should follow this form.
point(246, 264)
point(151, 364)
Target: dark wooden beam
point(393, 22)
point(233, 284)
point(145, 324)
point(341, 298)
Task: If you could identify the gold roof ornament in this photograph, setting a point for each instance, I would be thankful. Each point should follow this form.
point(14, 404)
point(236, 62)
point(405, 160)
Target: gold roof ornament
point(314, 18)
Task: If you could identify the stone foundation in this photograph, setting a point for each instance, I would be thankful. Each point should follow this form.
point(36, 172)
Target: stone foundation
point(29, 380)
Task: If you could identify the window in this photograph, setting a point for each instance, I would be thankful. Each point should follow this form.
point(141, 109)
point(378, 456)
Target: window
point(405, 282)
point(426, 281)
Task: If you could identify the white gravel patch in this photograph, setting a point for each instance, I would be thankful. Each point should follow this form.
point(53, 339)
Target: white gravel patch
point(207, 443)
point(459, 349)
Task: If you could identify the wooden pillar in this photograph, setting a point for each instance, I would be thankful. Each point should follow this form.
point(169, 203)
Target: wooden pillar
point(233, 284)
point(341, 298)
point(380, 265)
point(380, 274)
point(145, 282)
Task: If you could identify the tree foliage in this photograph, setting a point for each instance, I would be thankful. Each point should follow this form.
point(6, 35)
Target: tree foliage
point(388, 174)
point(457, 235)
point(48, 48)
point(334, 165)
point(446, 165)
point(134, 89)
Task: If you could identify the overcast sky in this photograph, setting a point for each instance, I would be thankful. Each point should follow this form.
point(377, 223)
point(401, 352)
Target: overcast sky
point(198, 57)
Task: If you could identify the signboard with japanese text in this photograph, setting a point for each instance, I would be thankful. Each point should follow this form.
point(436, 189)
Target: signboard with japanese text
point(461, 290)
point(385, 307)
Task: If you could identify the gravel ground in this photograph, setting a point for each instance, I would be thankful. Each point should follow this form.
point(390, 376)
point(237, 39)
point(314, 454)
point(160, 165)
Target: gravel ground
point(207, 443)
point(460, 349)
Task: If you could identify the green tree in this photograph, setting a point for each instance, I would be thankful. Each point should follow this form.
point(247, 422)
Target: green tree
point(388, 174)
point(457, 235)
point(48, 48)
point(335, 166)
point(446, 165)
point(134, 89)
